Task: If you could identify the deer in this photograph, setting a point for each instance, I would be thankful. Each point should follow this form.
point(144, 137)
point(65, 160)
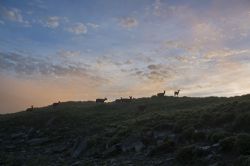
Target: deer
point(30, 109)
point(125, 100)
point(161, 94)
point(100, 100)
point(56, 104)
point(176, 93)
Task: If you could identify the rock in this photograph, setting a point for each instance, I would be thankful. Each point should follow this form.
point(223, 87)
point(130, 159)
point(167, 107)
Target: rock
point(76, 163)
point(19, 141)
point(112, 162)
point(216, 145)
point(170, 159)
point(160, 136)
point(167, 146)
point(159, 142)
point(80, 146)
point(172, 136)
point(149, 133)
point(148, 138)
point(10, 147)
point(18, 135)
point(126, 148)
point(210, 157)
point(139, 146)
point(110, 131)
point(136, 146)
point(59, 149)
point(205, 148)
point(132, 144)
point(214, 164)
point(30, 132)
point(112, 151)
point(38, 141)
point(210, 148)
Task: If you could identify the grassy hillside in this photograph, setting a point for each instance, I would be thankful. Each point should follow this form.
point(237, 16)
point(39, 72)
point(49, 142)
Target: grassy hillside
point(170, 131)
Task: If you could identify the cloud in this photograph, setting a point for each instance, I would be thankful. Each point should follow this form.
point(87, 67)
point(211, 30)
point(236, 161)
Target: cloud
point(157, 10)
point(157, 75)
point(225, 53)
point(2, 22)
point(65, 53)
point(26, 65)
point(128, 22)
point(154, 67)
point(153, 72)
point(52, 22)
point(206, 33)
point(78, 29)
point(15, 15)
point(92, 25)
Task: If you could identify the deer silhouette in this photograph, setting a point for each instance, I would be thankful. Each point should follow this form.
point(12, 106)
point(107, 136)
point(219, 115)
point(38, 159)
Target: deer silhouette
point(56, 104)
point(161, 94)
point(126, 99)
point(101, 100)
point(30, 109)
point(176, 93)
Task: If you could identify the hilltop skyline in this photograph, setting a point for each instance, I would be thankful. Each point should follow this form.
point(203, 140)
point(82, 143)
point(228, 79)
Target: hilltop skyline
point(82, 50)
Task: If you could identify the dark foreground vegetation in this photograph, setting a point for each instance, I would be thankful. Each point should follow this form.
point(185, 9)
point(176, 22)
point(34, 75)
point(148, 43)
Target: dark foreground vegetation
point(148, 131)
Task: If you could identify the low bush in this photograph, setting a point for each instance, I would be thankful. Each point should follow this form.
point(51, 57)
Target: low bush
point(188, 133)
point(224, 118)
point(228, 144)
point(242, 122)
point(215, 137)
point(243, 143)
point(242, 161)
point(199, 136)
point(167, 146)
point(189, 154)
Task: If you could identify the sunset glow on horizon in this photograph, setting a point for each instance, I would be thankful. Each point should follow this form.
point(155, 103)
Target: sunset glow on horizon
point(80, 50)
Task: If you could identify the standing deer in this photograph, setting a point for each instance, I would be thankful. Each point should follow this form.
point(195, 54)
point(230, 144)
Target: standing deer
point(100, 100)
point(56, 104)
point(125, 100)
point(161, 94)
point(176, 93)
point(30, 109)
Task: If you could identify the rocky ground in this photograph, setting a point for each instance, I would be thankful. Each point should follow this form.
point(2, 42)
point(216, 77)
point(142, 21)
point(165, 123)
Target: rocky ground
point(169, 132)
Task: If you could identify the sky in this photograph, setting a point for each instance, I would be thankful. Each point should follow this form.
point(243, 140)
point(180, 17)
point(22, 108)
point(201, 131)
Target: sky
point(79, 50)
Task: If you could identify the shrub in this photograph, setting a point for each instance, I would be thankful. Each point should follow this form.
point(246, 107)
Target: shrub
point(199, 136)
point(166, 147)
point(188, 133)
point(227, 144)
point(189, 154)
point(242, 122)
point(179, 125)
point(217, 136)
point(243, 161)
point(224, 118)
point(206, 119)
point(243, 144)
